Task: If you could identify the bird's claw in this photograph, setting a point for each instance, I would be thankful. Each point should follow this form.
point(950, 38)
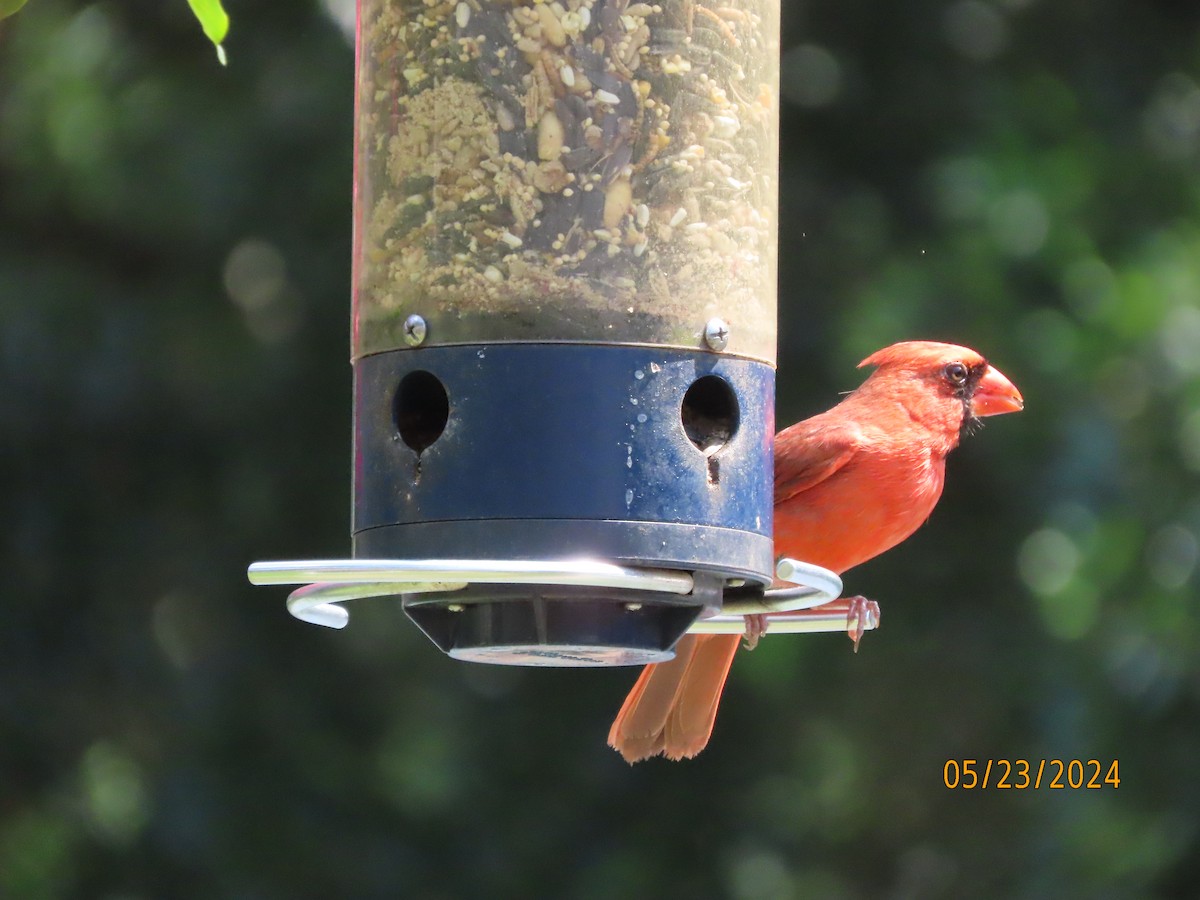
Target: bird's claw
point(756, 627)
point(861, 614)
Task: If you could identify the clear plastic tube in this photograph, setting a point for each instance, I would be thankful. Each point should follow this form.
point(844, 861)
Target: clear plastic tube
point(579, 170)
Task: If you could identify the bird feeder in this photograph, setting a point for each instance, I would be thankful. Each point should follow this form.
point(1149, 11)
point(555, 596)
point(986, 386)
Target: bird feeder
point(563, 327)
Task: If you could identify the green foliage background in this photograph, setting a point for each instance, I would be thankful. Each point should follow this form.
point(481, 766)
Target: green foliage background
point(1018, 175)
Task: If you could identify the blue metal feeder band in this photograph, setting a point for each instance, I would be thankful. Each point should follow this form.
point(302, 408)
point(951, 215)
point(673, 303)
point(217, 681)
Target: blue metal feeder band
point(552, 450)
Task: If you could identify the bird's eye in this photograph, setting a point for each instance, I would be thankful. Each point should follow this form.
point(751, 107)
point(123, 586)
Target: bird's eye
point(956, 372)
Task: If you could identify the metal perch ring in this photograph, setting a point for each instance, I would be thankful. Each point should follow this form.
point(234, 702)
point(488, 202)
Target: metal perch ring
point(810, 605)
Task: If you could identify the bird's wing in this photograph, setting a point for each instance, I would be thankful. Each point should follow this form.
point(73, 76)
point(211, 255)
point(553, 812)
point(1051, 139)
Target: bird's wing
point(810, 451)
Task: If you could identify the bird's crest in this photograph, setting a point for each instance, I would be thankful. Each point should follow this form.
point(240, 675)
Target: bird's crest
point(911, 354)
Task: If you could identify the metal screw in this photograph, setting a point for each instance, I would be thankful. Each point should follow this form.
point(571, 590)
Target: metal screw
point(414, 330)
point(716, 334)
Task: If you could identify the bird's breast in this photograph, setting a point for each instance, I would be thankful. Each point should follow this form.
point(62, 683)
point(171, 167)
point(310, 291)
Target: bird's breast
point(870, 505)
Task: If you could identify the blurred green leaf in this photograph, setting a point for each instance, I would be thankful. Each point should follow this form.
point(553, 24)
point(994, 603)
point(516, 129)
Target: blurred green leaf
point(8, 7)
point(215, 22)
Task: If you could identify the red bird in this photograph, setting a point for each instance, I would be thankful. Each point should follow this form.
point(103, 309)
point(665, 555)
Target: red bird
point(850, 483)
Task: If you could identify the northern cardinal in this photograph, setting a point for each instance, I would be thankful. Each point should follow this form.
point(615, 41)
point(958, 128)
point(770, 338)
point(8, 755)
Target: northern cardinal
point(850, 483)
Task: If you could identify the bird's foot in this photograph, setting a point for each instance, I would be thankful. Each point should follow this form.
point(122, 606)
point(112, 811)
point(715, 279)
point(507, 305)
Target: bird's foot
point(861, 613)
point(756, 627)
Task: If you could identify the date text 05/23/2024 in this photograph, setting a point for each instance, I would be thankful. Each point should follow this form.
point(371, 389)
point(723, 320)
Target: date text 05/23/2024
point(1026, 774)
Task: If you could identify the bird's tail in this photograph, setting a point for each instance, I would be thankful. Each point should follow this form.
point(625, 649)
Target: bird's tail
point(673, 705)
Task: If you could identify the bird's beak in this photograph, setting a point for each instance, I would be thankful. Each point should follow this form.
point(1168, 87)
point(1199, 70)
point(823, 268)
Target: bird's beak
point(995, 394)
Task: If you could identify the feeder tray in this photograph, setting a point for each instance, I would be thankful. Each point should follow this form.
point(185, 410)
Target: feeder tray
point(561, 613)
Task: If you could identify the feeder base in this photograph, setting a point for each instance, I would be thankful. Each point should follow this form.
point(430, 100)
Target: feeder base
point(558, 626)
point(653, 457)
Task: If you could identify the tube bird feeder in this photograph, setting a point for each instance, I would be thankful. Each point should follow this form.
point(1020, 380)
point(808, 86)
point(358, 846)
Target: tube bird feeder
point(563, 326)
